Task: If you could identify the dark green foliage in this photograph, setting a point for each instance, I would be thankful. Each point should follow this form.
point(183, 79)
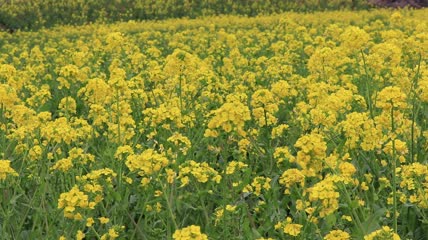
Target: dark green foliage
point(30, 15)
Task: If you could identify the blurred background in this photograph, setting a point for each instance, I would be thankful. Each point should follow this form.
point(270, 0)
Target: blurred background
point(36, 14)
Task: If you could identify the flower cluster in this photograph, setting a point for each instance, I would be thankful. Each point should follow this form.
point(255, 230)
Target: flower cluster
point(146, 163)
point(289, 227)
point(189, 233)
point(231, 116)
point(73, 201)
point(382, 234)
point(6, 170)
point(202, 172)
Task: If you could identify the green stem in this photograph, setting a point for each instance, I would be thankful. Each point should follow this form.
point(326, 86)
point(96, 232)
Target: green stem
point(168, 203)
point(204, 207)
point(118, 116)
point(265, 115)
point(368, 94)
point(179, 94)
point(95, 232)
point(415, 109)
point(354, 213)
point(137, 228)
point(394, 167)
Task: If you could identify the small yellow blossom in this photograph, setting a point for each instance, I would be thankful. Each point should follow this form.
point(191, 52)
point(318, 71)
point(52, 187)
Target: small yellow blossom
point(337, 235)
point(385, 233)
point(189, 233)
point(89, 222)
point(80, 235)
point(103, 220)
point(6, 169)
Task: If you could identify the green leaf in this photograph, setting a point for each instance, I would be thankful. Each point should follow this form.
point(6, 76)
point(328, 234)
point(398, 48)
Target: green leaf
point(372, 222)
point(256, 233)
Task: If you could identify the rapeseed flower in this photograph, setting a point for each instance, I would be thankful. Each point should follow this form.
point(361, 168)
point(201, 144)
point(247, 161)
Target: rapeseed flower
point(202, 172)
point(325, 195)
point(289, 228)
point(391, 97)
point(72, 200)
point(6, 169)
point(354, 39)
point(312, 151)
point(8, 96)
point(385, 233)
point(292, 177)
point(337, 235)
point(257, 185)
point(189, 233)
point(231, 116)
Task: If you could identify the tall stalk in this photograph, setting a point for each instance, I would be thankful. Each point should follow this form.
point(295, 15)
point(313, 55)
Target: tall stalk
point(394, 169)
point(368, 93)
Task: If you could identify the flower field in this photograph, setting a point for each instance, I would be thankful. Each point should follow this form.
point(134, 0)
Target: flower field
point(288, 126)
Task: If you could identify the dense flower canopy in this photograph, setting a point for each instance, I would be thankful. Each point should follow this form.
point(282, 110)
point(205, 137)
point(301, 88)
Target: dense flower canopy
point(306, 126)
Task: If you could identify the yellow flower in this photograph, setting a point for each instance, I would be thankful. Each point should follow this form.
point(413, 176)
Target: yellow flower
point(89, 222)
point(283, 153)
point(35, 153)
point(289, 228)
point(292, 229)
point(218, 215)
point(182, 141)
point(230, 116)
point(396, 18)
point(291, 177)
point(337, 235)
point(282, 89)
point(327, 61)
point(312, 152)
point(278, 130)
point(113, 234)
point(63, 165)
point(123, 150)
point(146, 163)
point(67, 106)
point(8, 96)
point(347, 169)
point(70, 201)
point(230, 208)
point(6, 170)
point(364, 186)
point(385, 233)
point(422, 89)
point(7, 71)
point(264, 107)
point(324, 193)
point(391, 97)
point(103, 220)
point(189, 233)
point(259, 183)
point(80, 235)
point(347, 218)
point(354, 38)
point(96, 91)
point(202, 172)
point(234, 166)
point(400, 147)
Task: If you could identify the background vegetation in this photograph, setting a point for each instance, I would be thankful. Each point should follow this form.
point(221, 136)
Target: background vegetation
point(46, 13)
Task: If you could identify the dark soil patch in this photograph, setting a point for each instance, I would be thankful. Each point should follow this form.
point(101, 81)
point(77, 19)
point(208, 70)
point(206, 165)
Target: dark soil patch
point(4, 28)
point(400, 3)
